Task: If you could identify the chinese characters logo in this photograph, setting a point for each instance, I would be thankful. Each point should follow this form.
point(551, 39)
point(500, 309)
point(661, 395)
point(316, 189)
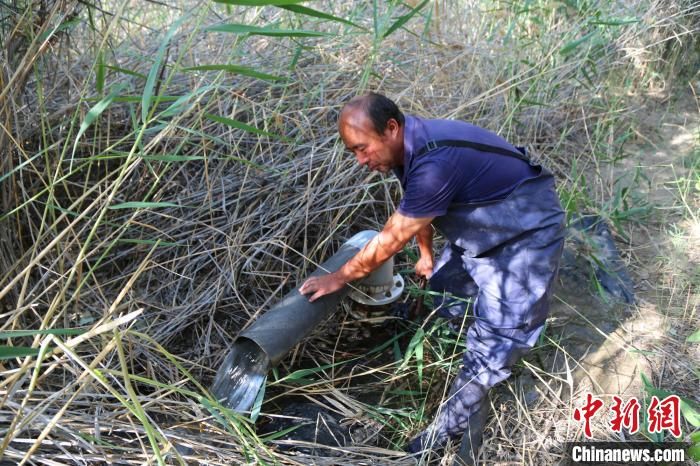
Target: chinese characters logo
point(662, 414)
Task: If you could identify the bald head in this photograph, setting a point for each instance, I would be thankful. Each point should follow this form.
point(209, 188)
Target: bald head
point(371, 126)
point(377, 108)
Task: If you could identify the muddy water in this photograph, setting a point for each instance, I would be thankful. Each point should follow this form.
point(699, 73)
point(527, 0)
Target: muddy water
point(241, 376)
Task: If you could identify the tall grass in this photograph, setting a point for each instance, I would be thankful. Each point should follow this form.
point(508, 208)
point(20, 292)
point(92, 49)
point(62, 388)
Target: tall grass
point(172, 170)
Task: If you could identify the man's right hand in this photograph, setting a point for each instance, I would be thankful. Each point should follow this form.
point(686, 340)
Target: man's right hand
point(424, 266)
point(317, 287)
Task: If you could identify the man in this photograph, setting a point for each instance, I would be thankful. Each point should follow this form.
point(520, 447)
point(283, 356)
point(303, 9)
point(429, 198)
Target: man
point(504, 225)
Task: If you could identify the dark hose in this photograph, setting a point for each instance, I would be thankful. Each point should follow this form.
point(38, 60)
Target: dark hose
point(276, 332)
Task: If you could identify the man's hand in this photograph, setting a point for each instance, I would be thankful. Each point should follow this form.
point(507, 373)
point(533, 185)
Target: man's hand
point(321, 286)
point(424, 266)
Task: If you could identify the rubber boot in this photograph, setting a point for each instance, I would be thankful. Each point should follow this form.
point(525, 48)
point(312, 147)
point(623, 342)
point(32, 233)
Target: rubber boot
point(465, 399)
point(472, 438)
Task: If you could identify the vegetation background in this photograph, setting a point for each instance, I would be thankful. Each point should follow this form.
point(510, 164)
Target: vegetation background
point(169, 169)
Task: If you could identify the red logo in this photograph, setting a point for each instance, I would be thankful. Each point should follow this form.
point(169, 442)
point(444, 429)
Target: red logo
point(665, 415)
point(592, 406)
point(662, 414)
point(626, 415)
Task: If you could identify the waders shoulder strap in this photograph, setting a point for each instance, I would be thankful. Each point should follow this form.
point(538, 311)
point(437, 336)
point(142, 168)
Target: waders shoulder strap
point(432, 144)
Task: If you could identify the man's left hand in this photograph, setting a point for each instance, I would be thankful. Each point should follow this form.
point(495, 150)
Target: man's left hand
point(424, 266)
point(321, 286)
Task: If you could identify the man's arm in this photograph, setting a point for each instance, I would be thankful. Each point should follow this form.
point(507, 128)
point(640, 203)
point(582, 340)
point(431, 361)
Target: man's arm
point(424, 238)
point(398, 230)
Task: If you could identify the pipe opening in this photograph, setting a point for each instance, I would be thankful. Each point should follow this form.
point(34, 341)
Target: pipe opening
point(241, 376)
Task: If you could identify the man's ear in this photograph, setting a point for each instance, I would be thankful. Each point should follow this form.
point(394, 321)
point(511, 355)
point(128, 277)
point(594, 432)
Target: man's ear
point(392, 126)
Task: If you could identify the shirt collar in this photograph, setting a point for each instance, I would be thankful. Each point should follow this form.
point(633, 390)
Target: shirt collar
point(408, 148)
point(408, 139)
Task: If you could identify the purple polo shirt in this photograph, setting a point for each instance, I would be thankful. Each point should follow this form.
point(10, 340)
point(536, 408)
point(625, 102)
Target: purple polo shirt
point(454, 175)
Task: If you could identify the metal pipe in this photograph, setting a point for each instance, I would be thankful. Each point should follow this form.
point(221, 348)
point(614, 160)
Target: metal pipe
point(276, 332)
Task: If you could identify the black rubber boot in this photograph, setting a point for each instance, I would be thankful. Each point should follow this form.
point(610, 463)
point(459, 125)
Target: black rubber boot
point(473, 437)
point(465, 399)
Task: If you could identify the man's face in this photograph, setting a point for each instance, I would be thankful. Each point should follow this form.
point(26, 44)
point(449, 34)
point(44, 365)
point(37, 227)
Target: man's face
point(380, 152)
